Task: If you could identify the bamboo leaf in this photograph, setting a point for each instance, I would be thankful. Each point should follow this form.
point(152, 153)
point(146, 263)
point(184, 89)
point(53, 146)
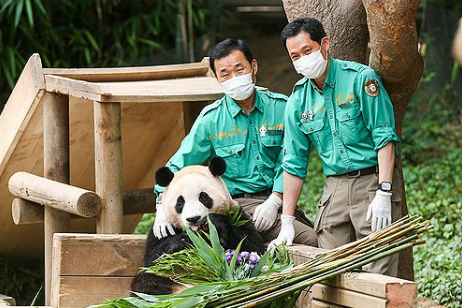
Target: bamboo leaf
point(18, 13)
point(30, 14)
point(92, 40)
point(39, 5)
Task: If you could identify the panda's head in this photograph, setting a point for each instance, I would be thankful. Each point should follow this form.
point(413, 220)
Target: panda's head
point(193, 192)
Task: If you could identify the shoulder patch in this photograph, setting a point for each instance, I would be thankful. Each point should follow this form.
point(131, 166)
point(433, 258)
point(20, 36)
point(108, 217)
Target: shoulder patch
point(276, 95)
point(371, 87)
point(350, 65)
point(211, 107)
point(300, 83)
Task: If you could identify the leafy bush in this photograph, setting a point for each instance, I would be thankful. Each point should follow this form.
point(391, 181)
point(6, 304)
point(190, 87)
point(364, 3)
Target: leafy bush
point(432, 159)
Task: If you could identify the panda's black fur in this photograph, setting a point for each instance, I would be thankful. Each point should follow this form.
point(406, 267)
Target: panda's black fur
point(230, 236)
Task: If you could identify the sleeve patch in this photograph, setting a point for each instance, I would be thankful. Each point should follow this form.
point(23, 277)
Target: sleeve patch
point(371, 87)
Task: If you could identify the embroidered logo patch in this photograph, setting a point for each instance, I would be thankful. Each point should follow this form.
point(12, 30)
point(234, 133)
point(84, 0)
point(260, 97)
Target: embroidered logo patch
point(372, 87)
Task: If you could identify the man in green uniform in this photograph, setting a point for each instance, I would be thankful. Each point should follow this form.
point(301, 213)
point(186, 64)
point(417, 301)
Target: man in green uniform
point(246, 129)
point(342, 110)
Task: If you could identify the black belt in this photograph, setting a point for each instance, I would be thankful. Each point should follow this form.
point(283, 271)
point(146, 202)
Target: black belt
point(264, 193)
point(358, 173)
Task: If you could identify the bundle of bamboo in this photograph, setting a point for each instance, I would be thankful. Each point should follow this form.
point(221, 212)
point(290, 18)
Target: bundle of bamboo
point(285, 286)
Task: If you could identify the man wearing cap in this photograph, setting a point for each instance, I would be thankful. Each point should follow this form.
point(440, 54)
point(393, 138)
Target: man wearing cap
point(246, 129)
point(342, 110)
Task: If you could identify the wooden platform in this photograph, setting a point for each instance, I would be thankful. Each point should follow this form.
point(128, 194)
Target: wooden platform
point(158, 105)
point(89, 268)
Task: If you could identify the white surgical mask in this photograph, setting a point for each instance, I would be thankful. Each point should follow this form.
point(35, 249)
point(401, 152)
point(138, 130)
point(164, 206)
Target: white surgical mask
point(311, 66)
point(240, 87)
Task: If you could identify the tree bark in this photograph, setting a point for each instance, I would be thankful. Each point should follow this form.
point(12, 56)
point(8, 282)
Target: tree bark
point(343, 20)
point(393, 45)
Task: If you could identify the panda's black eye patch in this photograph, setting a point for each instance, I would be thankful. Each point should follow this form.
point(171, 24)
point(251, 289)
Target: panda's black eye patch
point(205, 199)
point(179, 204)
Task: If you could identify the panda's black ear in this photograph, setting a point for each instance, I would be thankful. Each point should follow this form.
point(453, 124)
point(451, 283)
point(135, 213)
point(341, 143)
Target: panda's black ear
point(217, 166)
point(164, 176)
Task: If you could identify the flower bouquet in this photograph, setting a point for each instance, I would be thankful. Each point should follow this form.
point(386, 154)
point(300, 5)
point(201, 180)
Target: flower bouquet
point(214, 277)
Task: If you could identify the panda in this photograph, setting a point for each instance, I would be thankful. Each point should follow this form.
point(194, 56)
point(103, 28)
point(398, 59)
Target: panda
point(190, 196)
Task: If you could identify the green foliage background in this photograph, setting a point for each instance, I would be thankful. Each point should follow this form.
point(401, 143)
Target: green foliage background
point(93, 33)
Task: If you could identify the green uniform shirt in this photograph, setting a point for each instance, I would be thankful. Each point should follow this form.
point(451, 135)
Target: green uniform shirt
point(250, 144)
point(347, 122)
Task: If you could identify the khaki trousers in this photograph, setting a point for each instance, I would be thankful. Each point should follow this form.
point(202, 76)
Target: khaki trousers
point(304, 232)
point(341, 215)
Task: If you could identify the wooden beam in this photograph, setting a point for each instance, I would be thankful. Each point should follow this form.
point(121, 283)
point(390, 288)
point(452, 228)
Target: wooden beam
point(26, 212)
point(134, 202)
point(398, 292)
point(108, 166)
point(137, 73)
point(63, 197)
point(56, 168)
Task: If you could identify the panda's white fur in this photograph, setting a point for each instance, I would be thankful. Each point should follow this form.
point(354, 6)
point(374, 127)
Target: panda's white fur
point(189, 183)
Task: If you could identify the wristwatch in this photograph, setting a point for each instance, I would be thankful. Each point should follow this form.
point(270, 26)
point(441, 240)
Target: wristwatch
point(385, 186)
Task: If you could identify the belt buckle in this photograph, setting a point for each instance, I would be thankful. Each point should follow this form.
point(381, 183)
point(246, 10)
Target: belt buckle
point(357, 175)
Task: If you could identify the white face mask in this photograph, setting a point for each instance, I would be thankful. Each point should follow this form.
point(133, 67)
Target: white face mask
point(240, 87)
point(312, 65)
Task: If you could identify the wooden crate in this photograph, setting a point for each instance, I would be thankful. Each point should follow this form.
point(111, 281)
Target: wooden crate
point(90, 268)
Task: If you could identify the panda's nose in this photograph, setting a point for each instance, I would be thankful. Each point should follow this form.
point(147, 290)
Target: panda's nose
point(193, 219)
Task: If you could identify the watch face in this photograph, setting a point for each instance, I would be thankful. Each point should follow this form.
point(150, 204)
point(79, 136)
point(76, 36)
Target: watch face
point(385, 186)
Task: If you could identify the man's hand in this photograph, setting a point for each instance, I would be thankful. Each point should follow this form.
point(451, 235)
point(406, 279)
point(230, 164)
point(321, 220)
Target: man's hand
point(266, 213)
point(287, 233)
point(162, 226)
point(379, 210)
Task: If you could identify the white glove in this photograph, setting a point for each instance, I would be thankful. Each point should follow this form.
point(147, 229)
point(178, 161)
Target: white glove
point(287, 233)
point(266, 213)
point(162, 226)
point(379, 210)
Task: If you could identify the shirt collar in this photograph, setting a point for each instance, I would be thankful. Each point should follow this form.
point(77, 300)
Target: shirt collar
point(235, 108)
point(330, 79)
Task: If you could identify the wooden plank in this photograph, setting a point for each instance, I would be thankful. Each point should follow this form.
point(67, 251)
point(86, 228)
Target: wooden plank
point(169, 90)
point(137, 73)
point(99, 254)
point(346, 298)
point(75, 88)
point(20, 106)
point(108, 166)
point(56, 168)
point(85, 291)
point(320, 304)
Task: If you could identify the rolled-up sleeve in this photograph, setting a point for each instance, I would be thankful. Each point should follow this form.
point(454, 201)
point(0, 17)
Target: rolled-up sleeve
point(377, 110)
point(278, 185)
point(296, 143)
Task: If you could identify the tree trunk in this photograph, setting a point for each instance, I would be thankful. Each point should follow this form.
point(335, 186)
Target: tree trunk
point(393, 52)
point(457, 45)
point(343, 20)
point(394, 55)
